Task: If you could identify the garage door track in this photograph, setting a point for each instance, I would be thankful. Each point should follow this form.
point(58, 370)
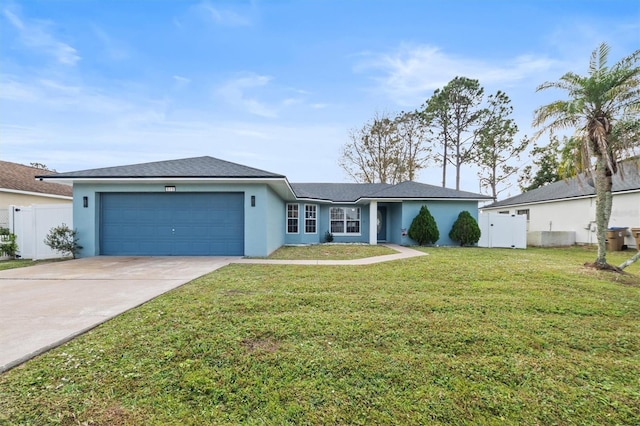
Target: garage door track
point(46, 305)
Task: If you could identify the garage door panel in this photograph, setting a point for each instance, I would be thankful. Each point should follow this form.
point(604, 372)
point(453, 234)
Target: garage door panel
point(188, 224)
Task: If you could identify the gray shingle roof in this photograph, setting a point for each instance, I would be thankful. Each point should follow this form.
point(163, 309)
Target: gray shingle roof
point(18, 177)
point(351, 192)
point(209, 167)
point(418, 190)
point(197, 167)
point(337, 192)
point(572, 188)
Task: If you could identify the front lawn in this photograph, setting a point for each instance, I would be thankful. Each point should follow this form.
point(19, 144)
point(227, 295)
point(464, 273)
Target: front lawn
point(460, 336)
point(330, 252)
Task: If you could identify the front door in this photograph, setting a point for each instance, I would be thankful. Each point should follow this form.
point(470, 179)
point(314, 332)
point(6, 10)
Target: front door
point(382, 223)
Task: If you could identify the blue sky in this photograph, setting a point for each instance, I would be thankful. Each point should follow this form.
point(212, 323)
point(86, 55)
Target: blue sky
point(275, 85)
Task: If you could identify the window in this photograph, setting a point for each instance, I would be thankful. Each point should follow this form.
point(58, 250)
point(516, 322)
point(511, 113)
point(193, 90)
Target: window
point(310, 221)
point(292, 218)
point(504, 212)
point(345, 220)
point(524, 212)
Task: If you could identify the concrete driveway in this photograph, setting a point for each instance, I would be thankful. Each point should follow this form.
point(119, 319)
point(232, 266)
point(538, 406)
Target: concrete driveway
point(44, 306)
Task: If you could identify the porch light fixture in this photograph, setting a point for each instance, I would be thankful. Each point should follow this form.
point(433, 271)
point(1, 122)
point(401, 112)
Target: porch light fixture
point(253, 201)
point(169, 189)
point(85, 202)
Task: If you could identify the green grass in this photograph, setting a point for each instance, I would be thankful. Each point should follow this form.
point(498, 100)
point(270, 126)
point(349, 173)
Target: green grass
point(457, 337)
point(21, 263)
point(330, 252)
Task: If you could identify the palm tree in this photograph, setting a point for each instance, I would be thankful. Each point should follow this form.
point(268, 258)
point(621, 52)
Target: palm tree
point(599, 105)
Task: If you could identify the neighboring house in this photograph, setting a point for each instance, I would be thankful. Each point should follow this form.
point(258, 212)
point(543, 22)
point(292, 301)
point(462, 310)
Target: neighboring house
point(19, 187)
point(207, 206)
point(570, 206)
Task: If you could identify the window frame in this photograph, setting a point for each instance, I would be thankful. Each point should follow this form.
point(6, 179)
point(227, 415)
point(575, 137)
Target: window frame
point(293, 220)
point(308, 220)
point(346, 220)
point(524, 212)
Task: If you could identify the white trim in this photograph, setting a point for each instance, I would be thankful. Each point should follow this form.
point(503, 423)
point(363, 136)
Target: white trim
point(280, 185)
point(287, 218)
point(37, 194)
point(397, 199)
point(373, 222)
point(65, 180)
point(366, 200)
point(345, 220)
point(315, 219)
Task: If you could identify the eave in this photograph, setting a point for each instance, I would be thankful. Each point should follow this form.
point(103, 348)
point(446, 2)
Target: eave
point(279, 185)
point(36, 194)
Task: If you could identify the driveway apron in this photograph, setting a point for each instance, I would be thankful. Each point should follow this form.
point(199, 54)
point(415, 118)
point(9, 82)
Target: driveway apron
point(44, 306)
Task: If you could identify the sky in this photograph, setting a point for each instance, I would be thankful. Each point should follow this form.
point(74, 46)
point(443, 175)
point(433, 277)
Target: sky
point(275, 85)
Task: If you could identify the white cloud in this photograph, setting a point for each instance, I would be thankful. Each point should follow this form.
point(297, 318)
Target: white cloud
point(180, 82)
point(37, 35)
point(234, 92)
point(180, 79)
point(410, 73)
point(114, 49)
point(16, 91)
point(258, 95)
point(60, 88)
point(224, 17)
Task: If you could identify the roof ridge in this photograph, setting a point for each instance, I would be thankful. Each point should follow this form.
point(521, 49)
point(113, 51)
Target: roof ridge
point(192, 167)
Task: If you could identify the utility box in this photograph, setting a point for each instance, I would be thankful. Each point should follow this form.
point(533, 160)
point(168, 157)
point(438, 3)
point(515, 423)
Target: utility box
point(615, 238)
point(635, 233)
point(551, 238)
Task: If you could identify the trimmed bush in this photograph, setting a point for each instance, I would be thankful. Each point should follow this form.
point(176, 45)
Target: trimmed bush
point(8, 244)
point(63, 240)
point(424, 229)
point(465, 229)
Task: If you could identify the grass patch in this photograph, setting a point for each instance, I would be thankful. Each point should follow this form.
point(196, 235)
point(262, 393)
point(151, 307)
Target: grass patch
point(21, 263)
point(330, 252)
point(461, 336)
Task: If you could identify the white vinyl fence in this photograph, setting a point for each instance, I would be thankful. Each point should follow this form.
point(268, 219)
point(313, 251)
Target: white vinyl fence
point(31, 225)
point(502, 230)
point(4, 218)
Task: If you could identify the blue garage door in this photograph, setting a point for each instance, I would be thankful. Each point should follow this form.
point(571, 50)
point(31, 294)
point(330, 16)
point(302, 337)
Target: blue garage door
point(172, 224)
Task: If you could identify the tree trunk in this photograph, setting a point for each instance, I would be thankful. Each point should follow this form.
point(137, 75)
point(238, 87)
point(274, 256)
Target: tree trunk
point(458, 164)
point(628, 262)
point(602, 221)
point(444, 165)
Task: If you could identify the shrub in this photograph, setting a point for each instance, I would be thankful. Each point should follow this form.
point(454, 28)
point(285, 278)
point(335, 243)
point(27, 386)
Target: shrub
point(8, 245)
point(424, 229)
point(465, 229)
point(63, 240)
point(328, 237)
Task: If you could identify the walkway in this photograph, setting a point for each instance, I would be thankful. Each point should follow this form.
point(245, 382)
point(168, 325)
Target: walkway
point(403, 253)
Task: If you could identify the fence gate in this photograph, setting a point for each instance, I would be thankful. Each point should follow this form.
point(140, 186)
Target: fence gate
point(502, 230)
point(31, 224)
